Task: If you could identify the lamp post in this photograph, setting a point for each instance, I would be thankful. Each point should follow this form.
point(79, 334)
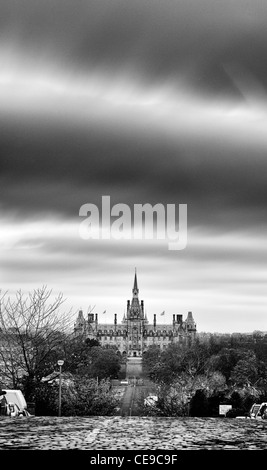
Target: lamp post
point(60, 363)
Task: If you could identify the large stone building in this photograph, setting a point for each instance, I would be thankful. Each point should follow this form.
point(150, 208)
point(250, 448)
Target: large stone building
point(135, 334)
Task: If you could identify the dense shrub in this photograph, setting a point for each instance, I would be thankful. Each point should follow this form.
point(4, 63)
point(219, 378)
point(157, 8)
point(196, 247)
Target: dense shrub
point(81, 397)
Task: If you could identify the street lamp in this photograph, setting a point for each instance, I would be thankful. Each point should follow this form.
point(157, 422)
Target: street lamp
point(60, 363)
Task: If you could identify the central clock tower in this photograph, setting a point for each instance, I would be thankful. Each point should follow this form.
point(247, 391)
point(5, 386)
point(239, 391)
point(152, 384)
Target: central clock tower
point(135, 322)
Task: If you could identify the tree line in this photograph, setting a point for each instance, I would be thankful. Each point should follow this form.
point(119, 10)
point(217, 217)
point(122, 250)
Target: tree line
point(190, 380)
point(195, 379)
point(34, 334)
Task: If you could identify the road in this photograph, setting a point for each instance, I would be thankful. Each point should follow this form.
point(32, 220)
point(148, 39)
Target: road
point(132, 396)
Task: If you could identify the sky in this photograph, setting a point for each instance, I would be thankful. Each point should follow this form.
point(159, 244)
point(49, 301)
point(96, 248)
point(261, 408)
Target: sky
point(147, 102)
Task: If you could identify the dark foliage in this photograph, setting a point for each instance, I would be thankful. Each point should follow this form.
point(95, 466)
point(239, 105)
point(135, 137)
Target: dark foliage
point(199, 405)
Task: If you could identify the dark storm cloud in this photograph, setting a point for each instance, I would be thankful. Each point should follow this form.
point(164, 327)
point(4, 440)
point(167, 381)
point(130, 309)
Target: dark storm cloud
point(153, 39)
point(50, 160)
point(55, 167)
point(160, 101)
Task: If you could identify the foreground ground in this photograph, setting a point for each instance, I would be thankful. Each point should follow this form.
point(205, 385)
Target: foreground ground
point(131, 433)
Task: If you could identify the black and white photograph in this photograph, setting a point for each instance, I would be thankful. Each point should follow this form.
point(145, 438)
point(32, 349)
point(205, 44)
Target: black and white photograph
point(133, 228)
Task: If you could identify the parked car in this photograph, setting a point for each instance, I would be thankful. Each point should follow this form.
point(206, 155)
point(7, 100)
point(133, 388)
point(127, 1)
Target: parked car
point(258, 411)
point(124, 382)
point(151, 400)
point(13, 403)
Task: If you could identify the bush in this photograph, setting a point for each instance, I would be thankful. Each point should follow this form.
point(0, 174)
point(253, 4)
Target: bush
point(46, 400)
point(92, 399)
point(234, 412)
point(199, 404)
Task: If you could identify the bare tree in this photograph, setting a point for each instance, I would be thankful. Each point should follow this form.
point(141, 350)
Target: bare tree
point(32, 331)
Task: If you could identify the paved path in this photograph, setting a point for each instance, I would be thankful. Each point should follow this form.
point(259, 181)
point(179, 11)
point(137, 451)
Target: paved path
point(132, 433)
point(128, 401)
point(132, 396)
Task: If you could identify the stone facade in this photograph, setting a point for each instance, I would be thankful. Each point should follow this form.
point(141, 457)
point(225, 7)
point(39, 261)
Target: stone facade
point(135, 334)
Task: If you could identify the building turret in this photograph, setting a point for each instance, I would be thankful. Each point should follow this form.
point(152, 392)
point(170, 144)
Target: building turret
point(191, 326)
point(80, 324)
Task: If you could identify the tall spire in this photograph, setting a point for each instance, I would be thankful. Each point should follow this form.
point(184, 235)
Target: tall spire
point(135, 309)
point(135, 287)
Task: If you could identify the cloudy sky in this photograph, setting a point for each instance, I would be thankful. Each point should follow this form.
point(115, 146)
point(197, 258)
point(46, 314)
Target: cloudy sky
point(155, 101)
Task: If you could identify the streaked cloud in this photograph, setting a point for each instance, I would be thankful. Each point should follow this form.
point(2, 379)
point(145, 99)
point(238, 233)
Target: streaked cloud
point(146, 102)
point(208, 277)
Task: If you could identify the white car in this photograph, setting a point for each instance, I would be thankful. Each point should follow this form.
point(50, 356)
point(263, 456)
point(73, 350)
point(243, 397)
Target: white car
point(14, 403)
point(151, 400)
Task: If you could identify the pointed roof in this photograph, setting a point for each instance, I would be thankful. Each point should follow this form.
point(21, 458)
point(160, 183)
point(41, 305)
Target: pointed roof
point(135, 287)
point(80, 315)
point(190, 318)
point(190, 321)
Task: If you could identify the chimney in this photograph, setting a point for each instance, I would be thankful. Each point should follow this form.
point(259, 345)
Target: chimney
point(96, 318)
point(155, 322)
point(173, 319)
point(115, 318)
